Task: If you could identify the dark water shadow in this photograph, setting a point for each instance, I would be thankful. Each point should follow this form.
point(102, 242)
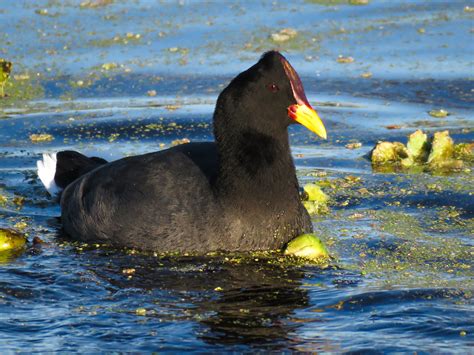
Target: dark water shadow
point(244, 303)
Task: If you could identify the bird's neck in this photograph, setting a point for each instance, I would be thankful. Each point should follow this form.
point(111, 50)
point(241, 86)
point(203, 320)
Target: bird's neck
point(256, 169)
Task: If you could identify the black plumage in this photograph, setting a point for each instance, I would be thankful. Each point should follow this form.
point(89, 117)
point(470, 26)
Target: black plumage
point(70, 165)
point(238, 193)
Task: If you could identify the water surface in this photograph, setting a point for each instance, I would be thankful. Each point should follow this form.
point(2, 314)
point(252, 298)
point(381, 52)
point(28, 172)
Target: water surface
point(402, 278)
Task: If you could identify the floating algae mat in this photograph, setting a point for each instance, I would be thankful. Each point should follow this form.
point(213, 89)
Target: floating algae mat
point(306, 248)
point(438, 153)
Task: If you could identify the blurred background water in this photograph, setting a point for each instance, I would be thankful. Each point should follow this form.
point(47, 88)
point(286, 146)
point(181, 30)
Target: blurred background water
point(118, 78)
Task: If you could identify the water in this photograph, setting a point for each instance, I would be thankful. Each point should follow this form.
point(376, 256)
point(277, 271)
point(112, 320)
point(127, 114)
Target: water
point(402, 278)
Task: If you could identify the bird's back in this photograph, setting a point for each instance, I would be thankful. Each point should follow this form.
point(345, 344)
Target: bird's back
point(160, 201)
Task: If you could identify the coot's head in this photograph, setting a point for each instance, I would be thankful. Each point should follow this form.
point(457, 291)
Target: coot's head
point(266, 98)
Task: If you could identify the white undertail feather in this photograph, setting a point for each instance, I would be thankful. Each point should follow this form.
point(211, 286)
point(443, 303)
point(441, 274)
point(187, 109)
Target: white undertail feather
point(46, 172)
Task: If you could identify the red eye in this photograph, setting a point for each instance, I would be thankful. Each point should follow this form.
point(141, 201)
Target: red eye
point(273, 87)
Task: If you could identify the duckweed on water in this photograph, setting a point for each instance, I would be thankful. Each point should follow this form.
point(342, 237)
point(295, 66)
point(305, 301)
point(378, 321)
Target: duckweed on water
point(42, 137)
point(338, 2)
point(344, 60)
point(304, 250)
point(400, 250)
point(464, 151)
point(404, 244)
point(441, 263)
point(287, 39)
point(355, 145)
point(284, 35)
point(128, 38)
point(93, 4)
point(20, 89)
point(438, 113)
point(140, 311)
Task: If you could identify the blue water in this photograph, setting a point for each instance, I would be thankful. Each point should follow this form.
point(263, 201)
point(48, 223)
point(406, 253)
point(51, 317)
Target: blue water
point(402, 275)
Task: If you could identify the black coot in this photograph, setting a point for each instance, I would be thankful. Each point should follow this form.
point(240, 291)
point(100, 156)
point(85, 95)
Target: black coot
point(238, 193)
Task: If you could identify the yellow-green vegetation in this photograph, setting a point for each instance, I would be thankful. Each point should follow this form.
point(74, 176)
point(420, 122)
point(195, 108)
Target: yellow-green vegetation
point(344, 60)
point(307, 246)
point(11, 240)
point(3, 200)
point(388, 152)
point(284, 35)
point(42, 137)
point(438, 113)
point(442, 152)
point(464, 151)
point(404, 248)
point(339, 189)
point(5, 70)
point(338, 2)
point(355, 145)
point(315, 193)
point(93, 4)
point(418, 146)
point(128, 38)
point(109, 66)
point(312, 245)
point(287, 39)
point(316, 201)
point(401, 245)
point(436, 154)
point(19, 88)
point(416, 254)
point(140, 312)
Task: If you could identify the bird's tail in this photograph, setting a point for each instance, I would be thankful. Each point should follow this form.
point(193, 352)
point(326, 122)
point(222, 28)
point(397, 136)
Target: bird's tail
point(57, 170)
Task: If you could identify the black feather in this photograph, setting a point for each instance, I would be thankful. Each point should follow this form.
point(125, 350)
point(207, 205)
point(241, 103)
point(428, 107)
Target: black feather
point(239, 193)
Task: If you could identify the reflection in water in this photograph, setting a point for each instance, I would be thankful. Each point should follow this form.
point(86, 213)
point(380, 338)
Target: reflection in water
point(256, 312)
point(245, 303)
point(7, 256)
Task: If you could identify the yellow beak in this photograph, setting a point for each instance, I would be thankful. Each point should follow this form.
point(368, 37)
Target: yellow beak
point(308, 117)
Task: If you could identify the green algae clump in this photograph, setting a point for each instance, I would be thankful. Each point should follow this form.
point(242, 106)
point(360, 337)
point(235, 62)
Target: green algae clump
point(422, 153)
point(418, 149)
point(442, 152)
point(464, 151)
point(315, 193)
point(5, 70)
point(388, 152)
point(418, 146)
point(43, 137)
point(442, 148)
point(307, 246)
point(439, 113)
point(11, 240)
point(316, 201)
